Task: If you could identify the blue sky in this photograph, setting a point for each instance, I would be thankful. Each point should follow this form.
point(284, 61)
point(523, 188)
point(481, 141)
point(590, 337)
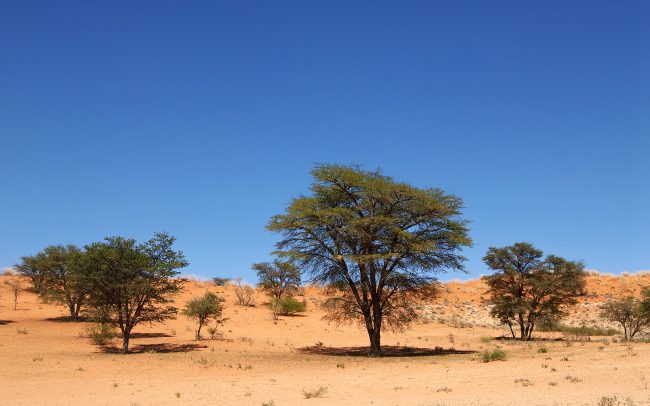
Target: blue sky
point(204, 119)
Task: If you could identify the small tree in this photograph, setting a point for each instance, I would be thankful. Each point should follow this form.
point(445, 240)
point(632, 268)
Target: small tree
point(527, 289)
point(133, 283)
point(632, 314)
point(203, 309)
point(279, 280)
point(16, 287)
point(57, 275)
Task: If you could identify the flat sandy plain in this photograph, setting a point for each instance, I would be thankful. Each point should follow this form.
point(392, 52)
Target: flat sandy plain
point(45, 361)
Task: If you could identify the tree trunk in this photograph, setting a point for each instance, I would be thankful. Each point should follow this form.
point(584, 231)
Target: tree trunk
point(198, 331)
point(126, 335)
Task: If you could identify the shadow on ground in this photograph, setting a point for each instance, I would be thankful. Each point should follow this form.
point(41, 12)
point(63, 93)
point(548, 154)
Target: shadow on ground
point(533, 339)
point(387, 351)
point(162, 348)
point(149, 335)
point(3, 322)
point(67, 319)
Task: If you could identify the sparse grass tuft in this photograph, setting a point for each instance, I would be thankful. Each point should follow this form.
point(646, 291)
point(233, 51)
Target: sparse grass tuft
point(316, 393)
point(542, 350)
point(444, 389)
point(22, 330)
point(486, 339)
point(524, 381)
point(613, 401)
point(573, 378)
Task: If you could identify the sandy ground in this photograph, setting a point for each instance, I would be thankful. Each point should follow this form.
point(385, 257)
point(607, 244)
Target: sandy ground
point(44, 361)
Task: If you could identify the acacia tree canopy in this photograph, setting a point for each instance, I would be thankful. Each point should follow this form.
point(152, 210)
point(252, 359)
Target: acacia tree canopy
point(203, 309)
point(375, 243)
point(277, 279)
point(133, 283)
point(58, 274)
point(527, 289)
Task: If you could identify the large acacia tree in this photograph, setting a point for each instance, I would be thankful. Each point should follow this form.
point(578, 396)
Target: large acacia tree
point(375, 243)
point(527, 289)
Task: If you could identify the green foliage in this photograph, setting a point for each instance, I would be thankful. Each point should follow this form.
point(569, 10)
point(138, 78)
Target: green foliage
point(101, 333)
point(579, 331)
point(495, 355)
point(632, 314)
point(375, 243)
point(526, 289)
point(277, 279)
point(288, 306)
point(58, 275)
point(203, 309)
point(133, 283)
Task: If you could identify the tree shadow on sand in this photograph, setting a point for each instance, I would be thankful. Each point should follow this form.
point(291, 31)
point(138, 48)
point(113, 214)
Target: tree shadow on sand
point(387, 351)
point(530, 340)
point(3, 322)
point(67, 319)
point(162, 348)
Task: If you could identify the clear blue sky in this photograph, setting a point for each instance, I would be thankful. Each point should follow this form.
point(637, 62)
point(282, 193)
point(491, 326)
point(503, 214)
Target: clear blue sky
point(203, 119)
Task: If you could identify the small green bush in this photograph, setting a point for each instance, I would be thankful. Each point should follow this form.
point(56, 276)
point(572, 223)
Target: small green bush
point(289, 306)
point(542, 350)
point(495, 355)
point(486, 339)
point(101, 333)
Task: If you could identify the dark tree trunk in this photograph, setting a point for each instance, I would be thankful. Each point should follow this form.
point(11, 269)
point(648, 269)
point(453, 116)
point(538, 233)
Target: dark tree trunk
point(198, 331)
point(126, 335)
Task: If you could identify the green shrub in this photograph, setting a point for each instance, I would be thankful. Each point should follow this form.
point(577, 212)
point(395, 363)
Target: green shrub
point(101, 333)
point(486, 339)
point(495, 355)
point(542, 350)
point(581, 331)
point(289, 306)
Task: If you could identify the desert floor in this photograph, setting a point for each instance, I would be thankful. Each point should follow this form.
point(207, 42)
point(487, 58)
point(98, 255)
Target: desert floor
point(44, 360)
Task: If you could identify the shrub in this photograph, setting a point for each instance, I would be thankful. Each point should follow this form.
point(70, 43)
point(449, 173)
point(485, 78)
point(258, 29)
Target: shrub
point(288, 306)
point(101, 333)
point(580, 331)
point(244, 294)
point(220, 281)
point(486, 339)
point(542, 350)
point(613, 401)
point(495, 355)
